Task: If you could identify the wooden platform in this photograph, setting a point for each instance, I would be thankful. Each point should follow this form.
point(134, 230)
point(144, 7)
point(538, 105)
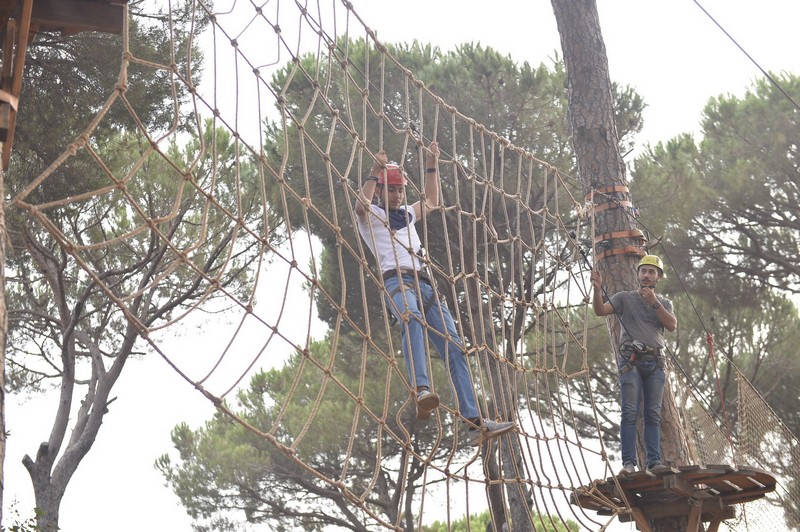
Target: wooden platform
point(704, 494)
point(20, 20)
point(67, 16)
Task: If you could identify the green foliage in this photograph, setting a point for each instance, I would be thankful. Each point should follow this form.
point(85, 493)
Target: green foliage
point(129, 256)
point(67, 80)
point(316, 434)
point(733, 198)
point(18, 522)
point(482, 522)
point(727, 209)
point(71, 77)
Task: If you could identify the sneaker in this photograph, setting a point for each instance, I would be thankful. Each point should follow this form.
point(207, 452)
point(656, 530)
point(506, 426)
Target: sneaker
point(488, 429)
point(427, 401)
point(627, 469)
point(657, 467)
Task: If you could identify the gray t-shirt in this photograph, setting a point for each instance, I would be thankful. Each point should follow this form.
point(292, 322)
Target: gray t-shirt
point(639, 319)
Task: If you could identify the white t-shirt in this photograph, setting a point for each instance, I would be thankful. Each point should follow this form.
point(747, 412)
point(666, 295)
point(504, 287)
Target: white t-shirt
point(393, 249)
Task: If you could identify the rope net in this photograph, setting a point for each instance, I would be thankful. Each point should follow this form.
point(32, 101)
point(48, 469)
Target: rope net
point(244, 206)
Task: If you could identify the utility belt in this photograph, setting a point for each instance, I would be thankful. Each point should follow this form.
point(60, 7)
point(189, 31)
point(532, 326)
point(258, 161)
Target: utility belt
point(400, 272)
point(635, 352)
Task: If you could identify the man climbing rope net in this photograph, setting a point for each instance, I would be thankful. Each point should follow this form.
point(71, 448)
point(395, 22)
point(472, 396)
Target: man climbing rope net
point(387, 225)
point(643, 316)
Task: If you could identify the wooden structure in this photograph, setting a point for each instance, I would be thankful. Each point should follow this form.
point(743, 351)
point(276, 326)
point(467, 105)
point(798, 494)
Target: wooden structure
point(704, 494)
point(20, 20)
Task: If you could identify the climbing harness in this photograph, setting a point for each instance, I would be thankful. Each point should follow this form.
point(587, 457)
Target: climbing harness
point(635, 352)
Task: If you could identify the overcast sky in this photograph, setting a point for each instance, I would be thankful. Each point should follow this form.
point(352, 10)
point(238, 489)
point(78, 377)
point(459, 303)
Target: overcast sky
point(669, 51)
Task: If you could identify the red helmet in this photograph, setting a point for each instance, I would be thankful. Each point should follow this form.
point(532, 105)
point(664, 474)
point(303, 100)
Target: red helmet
point(392, 175)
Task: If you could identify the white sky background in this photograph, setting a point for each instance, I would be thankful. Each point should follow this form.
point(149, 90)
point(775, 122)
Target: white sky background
point(669, 51)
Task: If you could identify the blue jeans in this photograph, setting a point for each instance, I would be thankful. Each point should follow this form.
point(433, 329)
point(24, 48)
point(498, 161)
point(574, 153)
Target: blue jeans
point(642, 383)
point(440, 327)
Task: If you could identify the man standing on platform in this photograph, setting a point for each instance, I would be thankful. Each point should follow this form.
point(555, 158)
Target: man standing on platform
point(643, 317)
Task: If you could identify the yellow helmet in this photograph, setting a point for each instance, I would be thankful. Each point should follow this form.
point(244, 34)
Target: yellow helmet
point(652, 260)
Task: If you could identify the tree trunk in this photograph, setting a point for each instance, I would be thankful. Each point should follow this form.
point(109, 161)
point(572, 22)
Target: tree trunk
point(3, 336)
point(601, 167)
point(47, 493)
point(56, 462)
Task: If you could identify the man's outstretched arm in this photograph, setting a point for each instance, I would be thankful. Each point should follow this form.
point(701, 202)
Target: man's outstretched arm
point(601, 308)
point(368, 188)
point(432, 196)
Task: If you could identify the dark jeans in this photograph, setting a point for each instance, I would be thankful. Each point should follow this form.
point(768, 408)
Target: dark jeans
point(641, 383)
